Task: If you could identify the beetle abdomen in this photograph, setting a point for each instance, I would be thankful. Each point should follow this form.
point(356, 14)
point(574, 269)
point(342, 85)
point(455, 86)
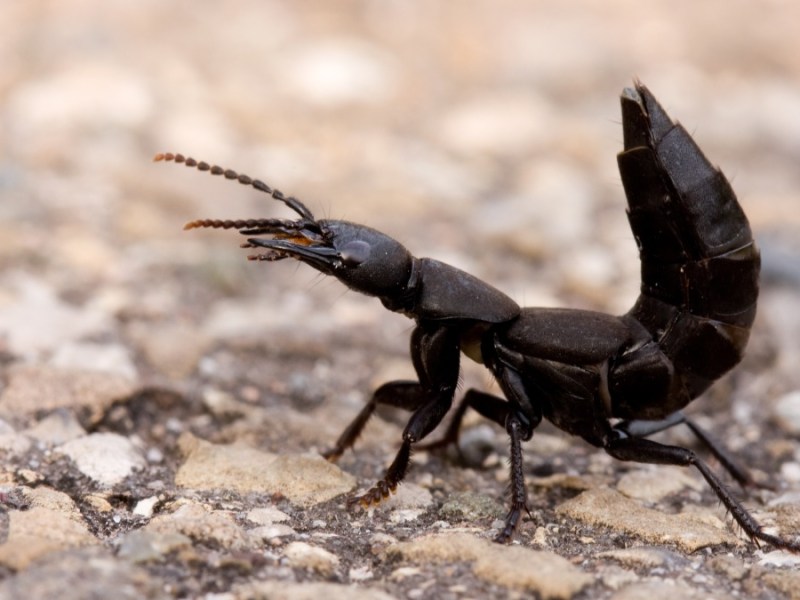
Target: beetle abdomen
point(700, 265)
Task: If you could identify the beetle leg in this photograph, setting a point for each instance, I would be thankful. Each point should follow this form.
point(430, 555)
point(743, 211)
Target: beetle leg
point(721, 453)
point(647, 451)
point(488, 406)
point(435, 354)
point(642, 429)
point(497, 410)
point(519, 495)
point(407, 395)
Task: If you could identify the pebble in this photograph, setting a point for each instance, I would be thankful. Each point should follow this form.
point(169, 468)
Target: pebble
point(664, 590)
point(656, 482)
point(107, 458)
point(145, 506)
point(786, 412)
point(147, 546)
point(301, 555)
point(308, 591)
point(266, 515)
point(305, 480)
point(38, 388)
point(470, 507)
point(58, 427)
point(51, 524)
point(608, 508)
point(553, 577)
point(270, 532)
point(82, 573)
point(200, 524)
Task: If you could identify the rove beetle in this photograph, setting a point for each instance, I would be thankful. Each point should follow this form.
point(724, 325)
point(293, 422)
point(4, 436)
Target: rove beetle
point(612, 380)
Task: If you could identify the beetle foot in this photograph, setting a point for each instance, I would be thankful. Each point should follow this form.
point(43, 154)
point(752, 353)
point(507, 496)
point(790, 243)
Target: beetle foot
point(332, 455)
point(772, 540)
point(374, 496)
point(512, 520)
point(386, 486)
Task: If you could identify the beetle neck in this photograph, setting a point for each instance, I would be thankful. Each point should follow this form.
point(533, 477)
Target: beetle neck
point(405, 300)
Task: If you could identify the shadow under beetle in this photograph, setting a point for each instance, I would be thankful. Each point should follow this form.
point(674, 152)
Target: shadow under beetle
point(611, 380)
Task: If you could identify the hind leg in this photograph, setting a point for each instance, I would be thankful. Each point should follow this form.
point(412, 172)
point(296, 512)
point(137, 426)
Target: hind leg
point(642, 429)
point(642, 450)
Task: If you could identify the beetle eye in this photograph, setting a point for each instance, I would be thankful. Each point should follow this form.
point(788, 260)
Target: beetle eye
point(354, 253)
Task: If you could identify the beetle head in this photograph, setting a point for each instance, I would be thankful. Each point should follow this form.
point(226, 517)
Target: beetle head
point(362, 258)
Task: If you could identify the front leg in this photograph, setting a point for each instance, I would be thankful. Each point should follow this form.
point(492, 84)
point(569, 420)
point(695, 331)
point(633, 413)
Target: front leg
point(400, 394)
point(435, 353)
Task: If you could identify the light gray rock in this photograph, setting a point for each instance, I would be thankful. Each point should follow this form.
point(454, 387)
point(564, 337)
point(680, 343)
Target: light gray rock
point(107, 458)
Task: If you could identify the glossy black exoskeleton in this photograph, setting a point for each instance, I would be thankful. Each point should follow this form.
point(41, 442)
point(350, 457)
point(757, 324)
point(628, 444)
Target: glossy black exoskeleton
point(611, 380)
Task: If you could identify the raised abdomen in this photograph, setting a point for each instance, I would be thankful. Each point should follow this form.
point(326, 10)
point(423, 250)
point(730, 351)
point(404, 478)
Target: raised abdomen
point(700, 265)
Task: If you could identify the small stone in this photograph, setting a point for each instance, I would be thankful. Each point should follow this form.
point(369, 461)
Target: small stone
point(553, 577)
point(667, 590)
point(29, 476)
point(146, 546)
point(648, 558)
point(787, 412)
point(145, 507)
point(266, 515)
point(37, 388)
point(307, 590)
point(201, 525)
point(98, 502)
point(607, 508)
point(406, 515)
point(304, 480)
point(360, 574)
point(476, 444)
point(780, 558)
point(82, 573)
point(58, 427)
point(107, 458)
point(731, 567)
point(305, 556)
point(409, 496)
point(52, 523)
point(14, 444)
point(469, 506)
point(270, 532)
point(154, 456)
point(653, 484)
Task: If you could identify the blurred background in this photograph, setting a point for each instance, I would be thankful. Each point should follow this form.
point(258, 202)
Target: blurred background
point(481, 133)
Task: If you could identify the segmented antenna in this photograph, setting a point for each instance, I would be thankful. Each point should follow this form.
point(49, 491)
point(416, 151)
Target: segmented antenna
point(289, 201)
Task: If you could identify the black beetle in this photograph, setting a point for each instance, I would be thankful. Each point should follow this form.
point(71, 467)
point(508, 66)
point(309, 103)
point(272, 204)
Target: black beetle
point(611, 380)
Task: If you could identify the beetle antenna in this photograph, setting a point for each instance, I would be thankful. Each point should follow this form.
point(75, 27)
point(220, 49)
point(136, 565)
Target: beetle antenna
point(290, 201)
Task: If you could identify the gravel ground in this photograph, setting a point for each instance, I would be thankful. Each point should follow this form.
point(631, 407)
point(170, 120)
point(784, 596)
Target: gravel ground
point(162, 401)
